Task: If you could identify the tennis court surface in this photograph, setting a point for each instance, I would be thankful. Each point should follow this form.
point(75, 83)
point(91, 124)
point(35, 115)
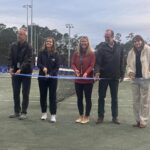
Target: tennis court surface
point(65, 134)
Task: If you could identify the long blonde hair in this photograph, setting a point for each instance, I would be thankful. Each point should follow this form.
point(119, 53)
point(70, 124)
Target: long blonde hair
point(54, 44)
point(89, 48)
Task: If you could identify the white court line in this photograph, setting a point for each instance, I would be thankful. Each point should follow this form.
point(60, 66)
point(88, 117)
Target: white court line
point(12, 101)
point(71, 103)
point(97, 99)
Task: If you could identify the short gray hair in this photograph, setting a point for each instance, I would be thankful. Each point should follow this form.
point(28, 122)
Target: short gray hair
point(112, 32)
point(24, 30)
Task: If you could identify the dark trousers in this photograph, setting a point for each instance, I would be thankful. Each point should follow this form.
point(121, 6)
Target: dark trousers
point(103, 85)
point(87, 90)
point(17, 82)
point(44, 85)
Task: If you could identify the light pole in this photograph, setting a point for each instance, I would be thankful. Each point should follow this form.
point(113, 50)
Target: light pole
point(69, 26)
point(27, 7)
point(31, 22)
point(35, 38)
point(35, 42)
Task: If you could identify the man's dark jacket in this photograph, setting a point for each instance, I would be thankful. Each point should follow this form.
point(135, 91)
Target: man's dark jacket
point(110, 61)
point(20, 54)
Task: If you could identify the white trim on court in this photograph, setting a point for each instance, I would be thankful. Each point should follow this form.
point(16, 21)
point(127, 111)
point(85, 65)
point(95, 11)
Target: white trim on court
point(66, 102)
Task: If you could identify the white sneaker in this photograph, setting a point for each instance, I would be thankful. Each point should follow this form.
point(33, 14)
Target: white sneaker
point(44, 116)
point(53, 118)
point(22, 117)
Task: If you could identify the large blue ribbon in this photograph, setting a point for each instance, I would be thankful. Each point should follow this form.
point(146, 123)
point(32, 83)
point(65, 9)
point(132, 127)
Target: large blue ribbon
point(64, 77)
point(55, 77)
point(52, 77)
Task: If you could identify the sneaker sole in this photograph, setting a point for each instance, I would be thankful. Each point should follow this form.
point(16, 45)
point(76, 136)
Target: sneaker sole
point(43, 119)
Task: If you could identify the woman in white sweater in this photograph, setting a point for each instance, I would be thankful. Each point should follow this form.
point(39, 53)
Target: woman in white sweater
point(138, 69)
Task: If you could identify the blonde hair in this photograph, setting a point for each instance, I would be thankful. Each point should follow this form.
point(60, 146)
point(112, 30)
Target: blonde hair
point(54, 44)
point(89, 48)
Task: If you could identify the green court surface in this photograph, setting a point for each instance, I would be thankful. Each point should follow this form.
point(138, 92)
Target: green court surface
point(65, 134)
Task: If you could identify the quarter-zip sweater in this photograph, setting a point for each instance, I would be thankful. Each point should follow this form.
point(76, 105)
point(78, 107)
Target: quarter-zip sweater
point(84, 63)
point(50, 61)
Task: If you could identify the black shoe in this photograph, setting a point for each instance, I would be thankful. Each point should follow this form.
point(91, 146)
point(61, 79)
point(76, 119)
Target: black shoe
point(100, 120)
point(142, 126)
point(115, 121)
point(15, 115)
point(136, 125)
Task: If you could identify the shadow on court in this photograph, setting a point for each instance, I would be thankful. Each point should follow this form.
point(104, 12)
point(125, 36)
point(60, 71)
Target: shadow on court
point(34, 134)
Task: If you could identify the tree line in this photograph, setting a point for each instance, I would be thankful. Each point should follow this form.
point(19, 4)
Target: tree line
point(9, 35)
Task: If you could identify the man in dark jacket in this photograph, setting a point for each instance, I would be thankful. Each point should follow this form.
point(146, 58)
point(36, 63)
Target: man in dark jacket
point(109, 67)
point(20, 62)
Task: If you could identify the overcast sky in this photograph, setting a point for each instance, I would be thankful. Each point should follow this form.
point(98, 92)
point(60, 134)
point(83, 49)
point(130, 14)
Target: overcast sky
point(89, 17)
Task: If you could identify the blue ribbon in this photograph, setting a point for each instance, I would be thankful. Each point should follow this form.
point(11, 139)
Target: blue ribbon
point(65, 77)
point(55, 77)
